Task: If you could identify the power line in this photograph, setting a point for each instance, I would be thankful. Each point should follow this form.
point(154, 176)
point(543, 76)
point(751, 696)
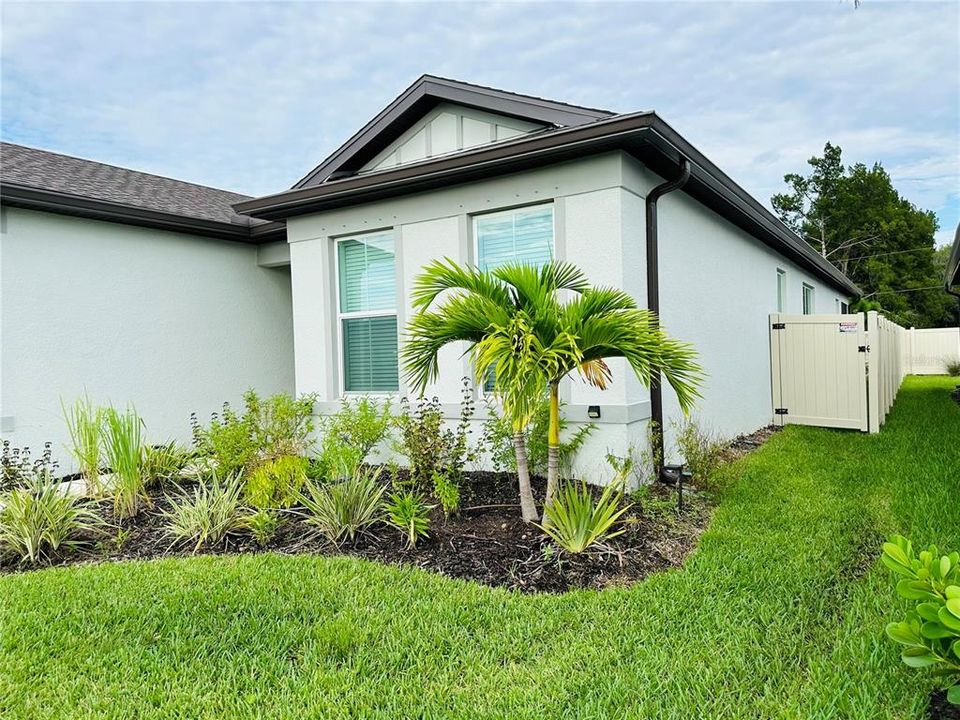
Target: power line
point(893, 252)
point(905, 290)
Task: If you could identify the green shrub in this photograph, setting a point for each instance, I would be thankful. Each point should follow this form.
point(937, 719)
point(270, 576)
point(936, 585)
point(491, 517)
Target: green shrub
point(262, 524)
point(84, 424)
point(340, 510)
point(266, 429)
point(930, 633)
point(447, 492)
point(428, 446)
point(703, 453)
point(40, 519)
point(408, 512)
point(207, 514)
point(276, 483)
point(349, 435)
point(17, 470)
point(497, 439)
point(123, 449)
point(164, 463)
point(952, 366)
point(576, 522)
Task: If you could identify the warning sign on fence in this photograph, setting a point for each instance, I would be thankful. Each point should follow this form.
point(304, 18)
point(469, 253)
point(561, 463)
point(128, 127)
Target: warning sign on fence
point(849, 327)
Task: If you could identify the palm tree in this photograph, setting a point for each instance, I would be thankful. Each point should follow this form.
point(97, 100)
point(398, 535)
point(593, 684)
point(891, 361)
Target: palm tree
point(515, 320)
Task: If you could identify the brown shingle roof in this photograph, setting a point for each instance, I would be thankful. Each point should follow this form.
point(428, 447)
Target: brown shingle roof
point(45, 170)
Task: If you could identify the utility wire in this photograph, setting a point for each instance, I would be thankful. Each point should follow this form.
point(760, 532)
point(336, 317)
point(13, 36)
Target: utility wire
point(905, 290)
point(894, 252)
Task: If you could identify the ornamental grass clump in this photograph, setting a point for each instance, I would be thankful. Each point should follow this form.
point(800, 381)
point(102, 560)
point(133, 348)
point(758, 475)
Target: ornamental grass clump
point(577, 522)
point(343, 509)
point(930, 633)
point(122, 434)
point(84, 424)
point(206, 515)
point(41, 519)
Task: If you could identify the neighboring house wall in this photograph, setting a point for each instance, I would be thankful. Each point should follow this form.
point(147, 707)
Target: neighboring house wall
point(169, 322)
point(718, 285)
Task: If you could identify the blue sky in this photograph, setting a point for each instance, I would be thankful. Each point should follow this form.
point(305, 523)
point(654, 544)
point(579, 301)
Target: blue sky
point(249, 96)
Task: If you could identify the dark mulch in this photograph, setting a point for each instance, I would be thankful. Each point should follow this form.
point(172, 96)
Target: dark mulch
point(486, 542)
point(940, 709)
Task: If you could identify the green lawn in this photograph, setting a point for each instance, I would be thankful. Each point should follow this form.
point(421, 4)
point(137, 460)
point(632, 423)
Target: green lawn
point(779, 614)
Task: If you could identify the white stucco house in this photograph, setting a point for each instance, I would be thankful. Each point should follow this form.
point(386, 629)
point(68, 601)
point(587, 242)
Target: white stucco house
point(177, 297)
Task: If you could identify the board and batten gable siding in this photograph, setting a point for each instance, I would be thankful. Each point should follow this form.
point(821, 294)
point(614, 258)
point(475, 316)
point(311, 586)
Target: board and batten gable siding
point(718, 285)
point(169, 322)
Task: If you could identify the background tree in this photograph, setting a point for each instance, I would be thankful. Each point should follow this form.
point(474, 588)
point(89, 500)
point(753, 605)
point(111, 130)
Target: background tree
point(856, 219)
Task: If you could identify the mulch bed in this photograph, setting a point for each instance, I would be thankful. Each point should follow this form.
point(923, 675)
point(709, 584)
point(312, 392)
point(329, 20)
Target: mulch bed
point(486, 542)
point(940, 709)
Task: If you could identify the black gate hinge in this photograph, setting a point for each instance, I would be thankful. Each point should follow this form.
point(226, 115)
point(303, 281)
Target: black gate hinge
point(779, 326)
point(863, 348)
point(779, 411)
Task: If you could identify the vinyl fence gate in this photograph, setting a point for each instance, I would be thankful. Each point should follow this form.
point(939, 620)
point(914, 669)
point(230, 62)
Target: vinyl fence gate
point(839, 371)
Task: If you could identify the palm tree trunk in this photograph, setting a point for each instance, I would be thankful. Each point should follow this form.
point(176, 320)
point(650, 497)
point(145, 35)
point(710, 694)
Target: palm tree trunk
point(553, 448)
point(528, 506)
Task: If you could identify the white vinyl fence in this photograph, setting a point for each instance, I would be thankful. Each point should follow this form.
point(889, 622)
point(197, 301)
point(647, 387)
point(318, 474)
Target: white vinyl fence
point(926, 351)
point(840, 371)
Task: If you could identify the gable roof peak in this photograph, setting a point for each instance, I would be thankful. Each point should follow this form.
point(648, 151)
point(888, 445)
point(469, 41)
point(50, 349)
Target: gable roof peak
point(426, 92)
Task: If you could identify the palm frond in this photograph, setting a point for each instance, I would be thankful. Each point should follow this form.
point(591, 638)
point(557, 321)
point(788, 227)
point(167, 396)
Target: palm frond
point(441, 275)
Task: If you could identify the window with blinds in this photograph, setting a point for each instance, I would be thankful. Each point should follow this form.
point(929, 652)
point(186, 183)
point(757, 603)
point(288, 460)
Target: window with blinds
point(366, 268)
point(524, 235)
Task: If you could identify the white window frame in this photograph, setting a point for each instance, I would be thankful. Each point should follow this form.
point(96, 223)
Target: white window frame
point(813, 299)
point(474, 217)
point(781, 291)
point(341, 316)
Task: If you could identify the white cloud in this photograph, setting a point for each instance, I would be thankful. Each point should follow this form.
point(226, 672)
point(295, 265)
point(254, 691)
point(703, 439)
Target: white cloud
point(250, 96)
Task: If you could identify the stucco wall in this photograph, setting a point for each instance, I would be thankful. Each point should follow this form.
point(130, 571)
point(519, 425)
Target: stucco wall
point(718, 285)
point(170, 322)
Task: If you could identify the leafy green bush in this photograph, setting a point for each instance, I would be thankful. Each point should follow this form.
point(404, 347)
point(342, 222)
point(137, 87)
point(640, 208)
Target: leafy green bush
point(263, 524)
point(38, 520)
point(84, 424)
point(497, 439)
point(703, 452)
point(266, 429)
point(576, 522)
point(952, 366)
point(349, 435)
point(164, 463)
point(341, 510)
point(930, 633)
point(207, 514)
point(430, 447)
point(123, 449)
point(17, 470)
point(276, 483)
point(447, 492)
point(408, 512)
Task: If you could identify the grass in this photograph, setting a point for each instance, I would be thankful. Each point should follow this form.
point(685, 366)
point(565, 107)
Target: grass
point(779, 614)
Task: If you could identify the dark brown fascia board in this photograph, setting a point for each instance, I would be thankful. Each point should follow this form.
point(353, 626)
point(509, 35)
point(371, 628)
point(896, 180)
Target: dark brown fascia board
point(429, 90)
point(485, 161)
point(30, 198)
point(644, 135)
